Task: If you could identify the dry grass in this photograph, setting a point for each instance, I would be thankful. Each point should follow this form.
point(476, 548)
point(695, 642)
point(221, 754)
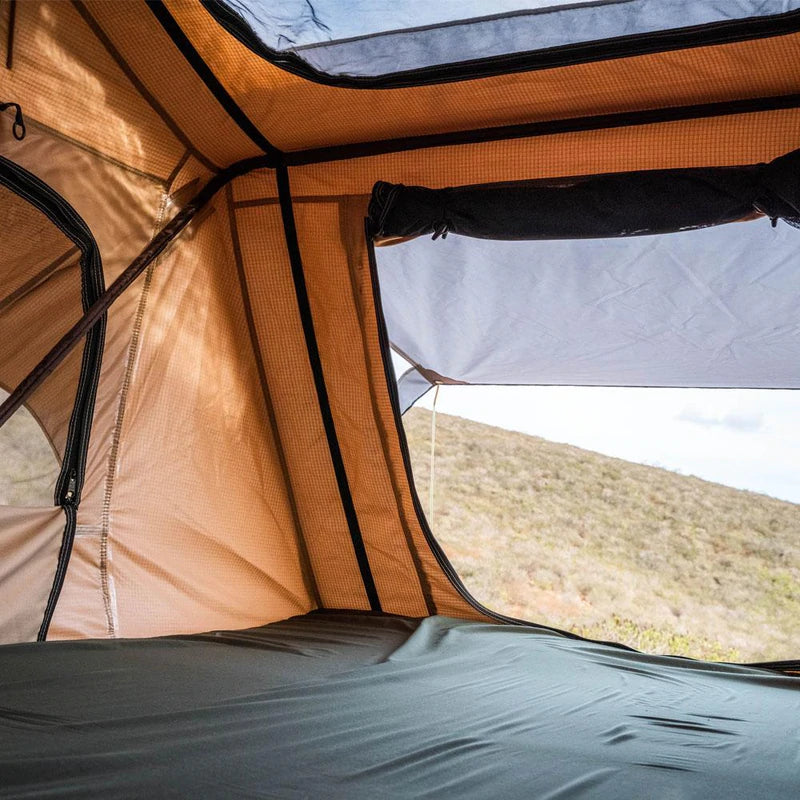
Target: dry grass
point(28, 467)
point(610, 549)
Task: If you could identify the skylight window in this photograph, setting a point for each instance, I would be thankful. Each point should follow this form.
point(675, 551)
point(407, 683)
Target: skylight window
point(373, 39)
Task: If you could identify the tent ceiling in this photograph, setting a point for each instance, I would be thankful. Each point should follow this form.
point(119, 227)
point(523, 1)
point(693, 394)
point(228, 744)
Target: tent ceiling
point(295, 113)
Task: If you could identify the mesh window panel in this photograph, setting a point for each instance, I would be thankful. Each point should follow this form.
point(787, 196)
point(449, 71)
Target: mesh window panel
point(46, 281)
point(370, 40)
point(715, 307)
point(40, 287)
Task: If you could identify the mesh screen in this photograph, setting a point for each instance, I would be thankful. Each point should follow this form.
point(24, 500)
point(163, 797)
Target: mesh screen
point(379, 38)
point(40, 299)
point(710, 308)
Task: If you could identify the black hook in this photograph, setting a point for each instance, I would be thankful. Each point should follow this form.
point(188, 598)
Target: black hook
point(18, 128)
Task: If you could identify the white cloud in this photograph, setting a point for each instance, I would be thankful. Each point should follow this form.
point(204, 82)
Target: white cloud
point(743, 421)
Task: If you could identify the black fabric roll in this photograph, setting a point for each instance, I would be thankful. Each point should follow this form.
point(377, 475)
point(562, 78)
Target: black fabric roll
point(595, 206)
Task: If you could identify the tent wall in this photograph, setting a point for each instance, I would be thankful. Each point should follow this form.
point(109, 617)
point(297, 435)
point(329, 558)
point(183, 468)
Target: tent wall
point(279, 335)
point(245, 461)
point(201, 532)
point(69, 84)
point(28, 550)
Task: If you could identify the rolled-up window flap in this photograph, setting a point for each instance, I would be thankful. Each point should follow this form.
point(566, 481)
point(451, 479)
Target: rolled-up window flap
point(594, 206)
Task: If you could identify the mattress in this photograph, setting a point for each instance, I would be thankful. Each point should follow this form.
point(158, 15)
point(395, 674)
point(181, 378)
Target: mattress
point(357, 705)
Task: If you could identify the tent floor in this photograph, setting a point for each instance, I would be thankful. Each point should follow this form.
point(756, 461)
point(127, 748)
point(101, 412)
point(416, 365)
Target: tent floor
point(354, 705)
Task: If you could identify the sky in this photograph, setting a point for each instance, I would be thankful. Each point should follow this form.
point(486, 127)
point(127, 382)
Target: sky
point(744, 438)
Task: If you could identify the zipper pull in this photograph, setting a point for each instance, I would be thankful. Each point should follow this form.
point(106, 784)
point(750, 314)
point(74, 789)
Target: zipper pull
point(18, 128)
point(72, 486)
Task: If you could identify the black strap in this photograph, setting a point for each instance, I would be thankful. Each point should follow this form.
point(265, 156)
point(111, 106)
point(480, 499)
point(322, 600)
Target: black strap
point(529, 130)
point(304, 306)
point(181, 40)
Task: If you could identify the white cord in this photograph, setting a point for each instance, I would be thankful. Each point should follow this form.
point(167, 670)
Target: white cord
point(433, 457)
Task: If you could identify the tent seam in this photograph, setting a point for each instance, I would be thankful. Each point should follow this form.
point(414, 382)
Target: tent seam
point(134, 346)
point(139, 86)
point(305, 560)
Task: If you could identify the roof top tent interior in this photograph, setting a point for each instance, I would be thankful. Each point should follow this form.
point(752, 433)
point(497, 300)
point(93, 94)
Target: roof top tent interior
point(200, 418)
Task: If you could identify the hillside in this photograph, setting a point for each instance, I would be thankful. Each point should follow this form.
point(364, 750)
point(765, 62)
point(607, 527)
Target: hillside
point(612, 550)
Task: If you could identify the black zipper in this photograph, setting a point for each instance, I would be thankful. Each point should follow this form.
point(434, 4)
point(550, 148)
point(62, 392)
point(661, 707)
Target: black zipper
point(784, 667)
point(70, 223)
point(713, 33)
point(73, 466)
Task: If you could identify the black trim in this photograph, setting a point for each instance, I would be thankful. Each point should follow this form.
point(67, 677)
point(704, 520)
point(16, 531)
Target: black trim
point(187, 49)
point(545, 128)
point(73, 465)
point(714, 33)
point(304, 307)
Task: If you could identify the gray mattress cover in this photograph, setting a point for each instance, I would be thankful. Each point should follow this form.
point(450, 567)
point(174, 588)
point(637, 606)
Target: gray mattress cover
point(369, 706)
